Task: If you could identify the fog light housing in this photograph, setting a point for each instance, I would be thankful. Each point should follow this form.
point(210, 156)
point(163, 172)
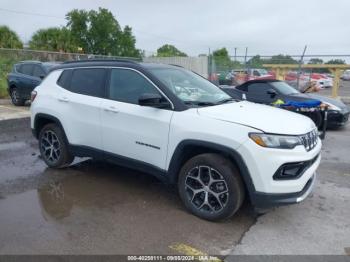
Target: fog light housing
point(293, 170)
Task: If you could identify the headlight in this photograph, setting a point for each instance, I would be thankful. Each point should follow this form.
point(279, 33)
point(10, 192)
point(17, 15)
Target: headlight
point(331, 106)
point(275, 141)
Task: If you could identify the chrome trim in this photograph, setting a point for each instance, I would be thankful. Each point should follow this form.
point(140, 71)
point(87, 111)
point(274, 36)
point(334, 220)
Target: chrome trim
point(309, 140)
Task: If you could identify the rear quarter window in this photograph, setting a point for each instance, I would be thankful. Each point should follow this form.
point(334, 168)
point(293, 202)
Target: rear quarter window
point(64, 79)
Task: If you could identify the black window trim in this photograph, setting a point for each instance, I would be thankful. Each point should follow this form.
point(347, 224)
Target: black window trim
point(108, 68)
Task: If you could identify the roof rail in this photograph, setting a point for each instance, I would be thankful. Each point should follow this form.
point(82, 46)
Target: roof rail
point(100, 60)
point(176, 65)
point(30, 61)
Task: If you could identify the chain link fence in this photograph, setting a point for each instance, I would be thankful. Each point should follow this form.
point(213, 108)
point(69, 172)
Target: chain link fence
point(9, 57)
point(307, 73)
point(232, 71)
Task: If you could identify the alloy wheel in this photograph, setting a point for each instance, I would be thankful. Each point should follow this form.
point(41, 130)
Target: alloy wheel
point(50, 146)
point(206, 189)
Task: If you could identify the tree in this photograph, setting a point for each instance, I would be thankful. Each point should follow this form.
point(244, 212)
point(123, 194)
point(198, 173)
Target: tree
point(281, 59)
point(53, 39)
point(98, 32)
point(9, 39)
point(169, 51)
point(336, 62)
point(315, 61)
point(222, 59)
point(256, 62)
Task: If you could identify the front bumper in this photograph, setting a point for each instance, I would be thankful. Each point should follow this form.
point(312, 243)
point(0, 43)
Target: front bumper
point(266, 200)
point(337, 118)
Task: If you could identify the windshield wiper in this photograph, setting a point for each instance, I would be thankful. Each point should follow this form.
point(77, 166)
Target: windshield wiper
point(225, 101)
point(199, 103)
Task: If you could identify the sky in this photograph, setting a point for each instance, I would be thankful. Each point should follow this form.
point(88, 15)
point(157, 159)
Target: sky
point(266, 27)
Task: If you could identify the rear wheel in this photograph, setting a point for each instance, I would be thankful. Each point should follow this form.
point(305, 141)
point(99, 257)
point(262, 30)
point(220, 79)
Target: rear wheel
point(54, 147)
point(15, 97)
point(211, 187)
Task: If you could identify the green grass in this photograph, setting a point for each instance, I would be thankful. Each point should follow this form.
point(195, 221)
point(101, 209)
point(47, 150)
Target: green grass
point(6, 64)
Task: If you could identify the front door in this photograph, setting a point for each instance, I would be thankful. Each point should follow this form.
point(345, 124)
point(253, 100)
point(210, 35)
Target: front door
point(128, 129)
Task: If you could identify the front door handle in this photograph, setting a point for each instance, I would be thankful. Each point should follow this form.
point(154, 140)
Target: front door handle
point(112, 109)
point(63, 99)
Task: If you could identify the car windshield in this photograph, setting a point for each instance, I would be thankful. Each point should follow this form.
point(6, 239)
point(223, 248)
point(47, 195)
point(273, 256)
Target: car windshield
point(284, 88)
point(190, 87)
point(262, 71)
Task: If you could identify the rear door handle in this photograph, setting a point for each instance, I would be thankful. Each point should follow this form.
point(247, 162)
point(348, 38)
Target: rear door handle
point(63, 99)
point(112, 109)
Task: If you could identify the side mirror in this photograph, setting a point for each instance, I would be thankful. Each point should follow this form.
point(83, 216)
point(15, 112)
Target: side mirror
point(271, 92)
point(42, 77)
point(153, 100)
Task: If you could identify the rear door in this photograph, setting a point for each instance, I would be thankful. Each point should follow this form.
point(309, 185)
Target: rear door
point(128, 129)
point(80, 104)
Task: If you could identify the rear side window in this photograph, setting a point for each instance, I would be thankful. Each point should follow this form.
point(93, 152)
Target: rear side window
point(88, 81)
point(26, 69)
point(64, 79)
point(258, 89)
point(243, 88)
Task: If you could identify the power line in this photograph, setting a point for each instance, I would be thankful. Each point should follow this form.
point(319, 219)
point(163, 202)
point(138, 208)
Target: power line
point(29, 13)
point(63, 18)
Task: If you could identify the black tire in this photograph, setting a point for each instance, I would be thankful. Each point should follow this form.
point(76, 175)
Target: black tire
point(53, 147)
point(221, 206)
point(15, 97)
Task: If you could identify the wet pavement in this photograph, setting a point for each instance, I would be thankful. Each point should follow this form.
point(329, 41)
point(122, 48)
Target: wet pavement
point(98, 208)
point(95, 208)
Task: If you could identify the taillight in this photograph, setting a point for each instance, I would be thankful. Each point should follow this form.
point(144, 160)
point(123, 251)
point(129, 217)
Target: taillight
point(33, 96)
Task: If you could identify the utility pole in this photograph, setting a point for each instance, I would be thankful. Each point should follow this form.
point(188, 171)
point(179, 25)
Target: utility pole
point(300, 63)
point(235, 54)
point(245, 57)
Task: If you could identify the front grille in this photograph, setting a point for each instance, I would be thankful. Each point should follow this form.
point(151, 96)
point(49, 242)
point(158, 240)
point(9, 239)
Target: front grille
point(310, 140)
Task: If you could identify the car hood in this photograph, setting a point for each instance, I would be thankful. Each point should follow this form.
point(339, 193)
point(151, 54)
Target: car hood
point(265, 118)
point(329, 100)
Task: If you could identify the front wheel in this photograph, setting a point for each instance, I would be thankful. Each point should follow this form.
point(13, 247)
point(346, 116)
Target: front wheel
point(53, 147)
point(210, 186)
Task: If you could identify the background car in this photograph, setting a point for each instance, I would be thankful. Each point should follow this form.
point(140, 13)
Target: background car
point(346, 75)
point(269, 91)
point(24, 77)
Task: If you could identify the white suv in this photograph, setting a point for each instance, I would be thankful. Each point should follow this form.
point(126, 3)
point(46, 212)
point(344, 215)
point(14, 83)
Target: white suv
point(176, 125)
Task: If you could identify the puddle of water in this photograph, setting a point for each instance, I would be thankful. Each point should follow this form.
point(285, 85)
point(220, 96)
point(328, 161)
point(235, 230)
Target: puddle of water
point(103, 209)
point(12, 145)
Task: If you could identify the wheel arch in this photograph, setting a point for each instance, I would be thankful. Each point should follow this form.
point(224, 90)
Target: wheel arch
point(190, 148)
point(42, 120)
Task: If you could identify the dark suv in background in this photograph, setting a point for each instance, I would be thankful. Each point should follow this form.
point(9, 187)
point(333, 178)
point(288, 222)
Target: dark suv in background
point(24, 77)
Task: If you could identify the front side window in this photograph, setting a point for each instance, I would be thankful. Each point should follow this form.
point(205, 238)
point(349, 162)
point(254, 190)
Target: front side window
point(190, 87)
point(38, 72)
point(88, 81)
point(127, 86)
point(26, 69)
